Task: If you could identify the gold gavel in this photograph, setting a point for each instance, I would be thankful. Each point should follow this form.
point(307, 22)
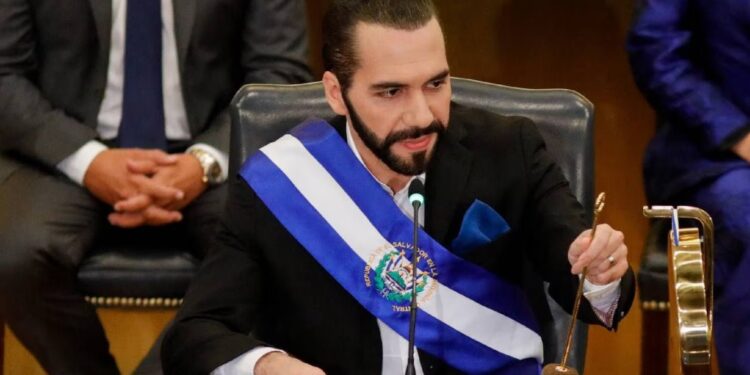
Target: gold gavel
point(563, 368)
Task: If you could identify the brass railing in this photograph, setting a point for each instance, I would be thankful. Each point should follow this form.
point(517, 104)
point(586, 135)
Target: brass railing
point(690, 266)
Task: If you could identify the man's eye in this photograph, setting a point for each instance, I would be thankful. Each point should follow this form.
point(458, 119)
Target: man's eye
point(437, 83)
point(389, 93)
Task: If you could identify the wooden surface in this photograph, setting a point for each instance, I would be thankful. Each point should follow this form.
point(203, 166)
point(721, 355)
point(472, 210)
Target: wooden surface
point(575, 44)
point(130, 332)
point(2, 343)
point(655, 334)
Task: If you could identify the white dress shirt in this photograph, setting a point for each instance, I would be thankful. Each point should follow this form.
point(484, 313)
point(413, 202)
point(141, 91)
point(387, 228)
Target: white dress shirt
point(110, 111)
point(603, 299)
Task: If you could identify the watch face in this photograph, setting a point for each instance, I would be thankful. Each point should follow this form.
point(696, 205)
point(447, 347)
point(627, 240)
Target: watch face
point(211, 168)
point(214, 173)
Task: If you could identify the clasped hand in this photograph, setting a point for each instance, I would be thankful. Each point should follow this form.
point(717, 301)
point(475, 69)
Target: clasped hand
point(145, 187)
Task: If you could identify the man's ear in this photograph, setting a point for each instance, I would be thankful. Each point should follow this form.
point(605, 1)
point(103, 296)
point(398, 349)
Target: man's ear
point(334, 93)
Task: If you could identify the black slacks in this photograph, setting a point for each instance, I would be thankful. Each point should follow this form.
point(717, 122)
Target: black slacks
point(47, 225)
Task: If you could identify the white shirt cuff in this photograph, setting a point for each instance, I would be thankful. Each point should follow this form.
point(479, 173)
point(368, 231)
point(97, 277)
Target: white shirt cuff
point(603, 299)
point(245, 363)
point(220, 157)
point(76, 164)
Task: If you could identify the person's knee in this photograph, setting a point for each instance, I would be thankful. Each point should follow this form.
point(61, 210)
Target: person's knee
point(27, 261)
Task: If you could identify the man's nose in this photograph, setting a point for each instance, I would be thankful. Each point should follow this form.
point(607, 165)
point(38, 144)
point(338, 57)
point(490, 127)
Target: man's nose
point(419, 113)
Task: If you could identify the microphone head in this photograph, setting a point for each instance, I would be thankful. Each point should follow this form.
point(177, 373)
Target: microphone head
point(416, 191)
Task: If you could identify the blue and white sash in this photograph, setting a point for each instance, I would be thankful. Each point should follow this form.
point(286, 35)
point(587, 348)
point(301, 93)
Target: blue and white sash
point(327, 200)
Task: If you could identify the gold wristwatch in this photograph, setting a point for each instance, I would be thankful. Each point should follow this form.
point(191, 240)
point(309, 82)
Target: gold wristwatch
point(211, 167)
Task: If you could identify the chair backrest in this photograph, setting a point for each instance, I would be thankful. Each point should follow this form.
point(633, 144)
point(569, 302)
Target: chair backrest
point(262, 113)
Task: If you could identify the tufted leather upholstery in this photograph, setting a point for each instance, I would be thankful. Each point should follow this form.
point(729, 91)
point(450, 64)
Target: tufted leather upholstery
point(262, 113)
point(138, 270)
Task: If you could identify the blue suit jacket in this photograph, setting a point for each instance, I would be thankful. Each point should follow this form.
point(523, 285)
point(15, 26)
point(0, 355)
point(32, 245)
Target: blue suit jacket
point(691, 58)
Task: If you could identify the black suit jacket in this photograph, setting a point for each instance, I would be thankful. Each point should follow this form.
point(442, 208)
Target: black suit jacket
point(262, 282)
point(54, 59)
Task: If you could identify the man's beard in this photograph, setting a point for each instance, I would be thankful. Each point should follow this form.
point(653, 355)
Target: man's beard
point(408, 166)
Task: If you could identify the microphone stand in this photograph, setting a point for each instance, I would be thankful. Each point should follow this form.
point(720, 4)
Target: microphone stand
point(413, 311)
point(416, 197)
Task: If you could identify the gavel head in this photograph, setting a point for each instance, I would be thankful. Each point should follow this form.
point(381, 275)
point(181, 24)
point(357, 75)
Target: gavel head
point(557, 369)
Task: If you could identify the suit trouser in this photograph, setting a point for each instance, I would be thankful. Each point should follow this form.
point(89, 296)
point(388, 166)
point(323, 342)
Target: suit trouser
point(47, 225)
point(727, 200)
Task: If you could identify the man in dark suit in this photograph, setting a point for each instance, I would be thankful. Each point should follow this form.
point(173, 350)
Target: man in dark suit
point(117, 104)
point(280, 294)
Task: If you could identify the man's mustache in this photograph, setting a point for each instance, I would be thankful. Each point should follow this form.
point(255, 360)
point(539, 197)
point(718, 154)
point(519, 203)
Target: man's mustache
point(413, 133)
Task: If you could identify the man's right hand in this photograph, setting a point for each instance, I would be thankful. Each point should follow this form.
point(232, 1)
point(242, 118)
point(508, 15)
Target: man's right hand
point(742, 148)
point(109, 179)
point(278, 363)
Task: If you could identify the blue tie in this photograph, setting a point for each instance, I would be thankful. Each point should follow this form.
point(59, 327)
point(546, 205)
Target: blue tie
point(142, 99)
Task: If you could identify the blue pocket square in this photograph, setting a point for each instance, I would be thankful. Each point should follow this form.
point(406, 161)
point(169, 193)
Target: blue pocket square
point(481, 225)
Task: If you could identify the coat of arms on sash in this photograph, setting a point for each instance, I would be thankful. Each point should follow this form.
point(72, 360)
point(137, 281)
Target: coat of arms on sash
point(389, 272)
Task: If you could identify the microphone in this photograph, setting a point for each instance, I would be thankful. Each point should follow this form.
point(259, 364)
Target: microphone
point(416, 198)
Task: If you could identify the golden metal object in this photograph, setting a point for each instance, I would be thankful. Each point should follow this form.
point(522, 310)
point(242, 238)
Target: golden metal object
point(563, 368)
point(690, 286)
point(655, 305)
point(553, 369)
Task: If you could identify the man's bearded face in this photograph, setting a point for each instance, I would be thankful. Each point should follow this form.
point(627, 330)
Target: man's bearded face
point(409, 165)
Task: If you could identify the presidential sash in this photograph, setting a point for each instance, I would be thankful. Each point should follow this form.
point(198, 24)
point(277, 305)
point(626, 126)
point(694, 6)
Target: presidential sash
point(323, 195)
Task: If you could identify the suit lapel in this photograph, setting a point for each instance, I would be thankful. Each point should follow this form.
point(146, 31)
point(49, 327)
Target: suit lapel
point(102, 12)
point(184, 16)
point(447, 176)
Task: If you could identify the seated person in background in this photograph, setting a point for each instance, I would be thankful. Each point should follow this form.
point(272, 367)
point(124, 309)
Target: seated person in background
point(691, 59)
point(117, 104)
point(311, 274)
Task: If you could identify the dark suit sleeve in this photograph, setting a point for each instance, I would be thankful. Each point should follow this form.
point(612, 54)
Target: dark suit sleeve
point(215, 322)
point(554, 219)
point(274, 50)
point(275, 42)
point(29, 123)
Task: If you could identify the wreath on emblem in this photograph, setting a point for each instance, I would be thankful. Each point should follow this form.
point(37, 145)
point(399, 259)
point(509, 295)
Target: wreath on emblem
point(393, 278)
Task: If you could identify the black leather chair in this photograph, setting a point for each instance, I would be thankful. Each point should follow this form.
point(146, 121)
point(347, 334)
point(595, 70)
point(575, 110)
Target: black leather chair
point(148, 269)
point(262, 113)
